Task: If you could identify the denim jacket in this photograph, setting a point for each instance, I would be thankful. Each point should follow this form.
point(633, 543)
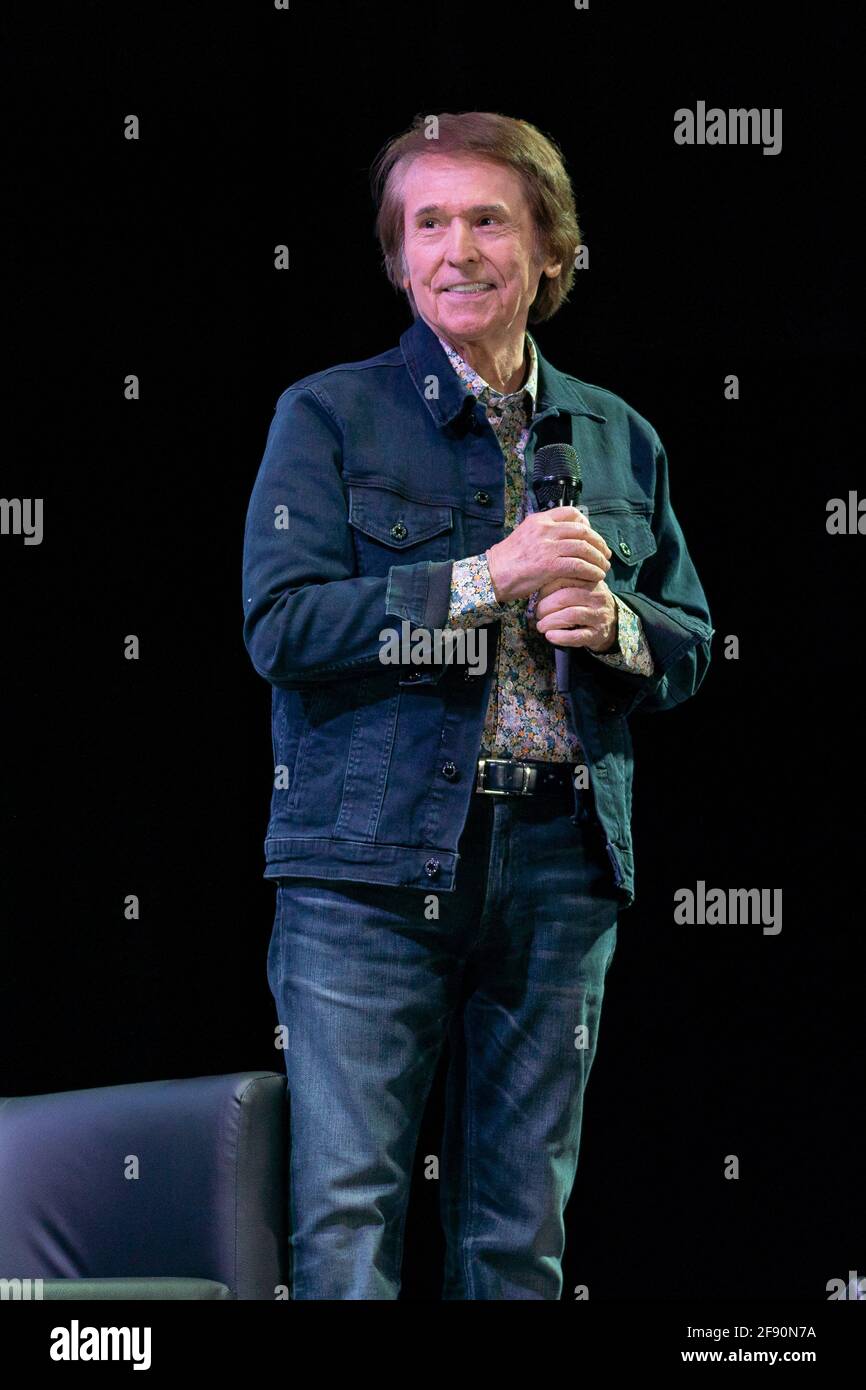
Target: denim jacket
point(376, 475)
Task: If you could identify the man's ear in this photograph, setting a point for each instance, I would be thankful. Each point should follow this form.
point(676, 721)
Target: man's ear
point(549, 268)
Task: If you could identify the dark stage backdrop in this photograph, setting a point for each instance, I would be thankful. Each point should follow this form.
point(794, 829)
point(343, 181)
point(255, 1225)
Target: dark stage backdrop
point(155, 257)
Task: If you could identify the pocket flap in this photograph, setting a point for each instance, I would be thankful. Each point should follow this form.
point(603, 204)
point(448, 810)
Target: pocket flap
point(394, 520)
point(628, 534)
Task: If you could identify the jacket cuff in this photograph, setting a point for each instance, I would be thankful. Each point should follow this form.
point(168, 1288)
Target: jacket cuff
point(668, 637)
point(439, 585)
point(420, 593)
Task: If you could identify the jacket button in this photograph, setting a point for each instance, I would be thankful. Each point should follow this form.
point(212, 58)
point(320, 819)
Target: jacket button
point(625, 547)
point(483, 498)
point(449, 770)
point(398, 531)
point(432, 867)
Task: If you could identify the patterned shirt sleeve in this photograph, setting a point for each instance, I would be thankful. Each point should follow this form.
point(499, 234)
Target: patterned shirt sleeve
point(632, 652)
point(473, 601)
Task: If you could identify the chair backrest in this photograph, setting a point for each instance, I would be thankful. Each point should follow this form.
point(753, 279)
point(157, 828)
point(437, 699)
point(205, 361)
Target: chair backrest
point(158, 1179)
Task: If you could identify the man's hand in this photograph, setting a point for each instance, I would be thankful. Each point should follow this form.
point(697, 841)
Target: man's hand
point(581, 615)
point(557, 545)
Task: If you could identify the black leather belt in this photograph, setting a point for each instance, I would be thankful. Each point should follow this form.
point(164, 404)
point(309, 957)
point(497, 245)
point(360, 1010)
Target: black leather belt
point(524, 777)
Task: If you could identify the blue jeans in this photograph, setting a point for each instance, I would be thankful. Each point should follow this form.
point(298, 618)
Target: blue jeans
point(371, 980)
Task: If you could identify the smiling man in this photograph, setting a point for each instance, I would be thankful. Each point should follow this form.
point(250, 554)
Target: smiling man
point(472, 267)
point(451, 854)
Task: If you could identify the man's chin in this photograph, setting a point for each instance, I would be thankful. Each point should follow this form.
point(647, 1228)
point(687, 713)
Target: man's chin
point(472, 320)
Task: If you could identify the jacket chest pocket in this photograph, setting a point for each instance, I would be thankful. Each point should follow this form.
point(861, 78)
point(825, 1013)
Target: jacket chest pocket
point(631, 541)
point(389, 529)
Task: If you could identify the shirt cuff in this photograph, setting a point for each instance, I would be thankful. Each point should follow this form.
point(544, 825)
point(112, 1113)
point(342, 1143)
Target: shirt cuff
point(472, 601)
point(631, 651)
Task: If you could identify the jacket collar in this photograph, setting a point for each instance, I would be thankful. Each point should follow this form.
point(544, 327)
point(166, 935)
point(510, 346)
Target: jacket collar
point(426, 358)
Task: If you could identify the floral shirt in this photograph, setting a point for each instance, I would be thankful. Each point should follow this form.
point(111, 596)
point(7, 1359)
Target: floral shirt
point(526, 717)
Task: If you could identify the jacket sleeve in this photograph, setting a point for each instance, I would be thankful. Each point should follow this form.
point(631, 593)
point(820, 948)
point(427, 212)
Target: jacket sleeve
point(673, 609)
point(308, 617)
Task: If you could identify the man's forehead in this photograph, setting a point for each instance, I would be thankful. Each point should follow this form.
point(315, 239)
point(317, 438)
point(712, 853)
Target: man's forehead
point(435, 180)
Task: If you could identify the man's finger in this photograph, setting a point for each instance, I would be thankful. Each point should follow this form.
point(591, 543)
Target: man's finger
point(567, 617)
point(570, 636)
point(579, 525)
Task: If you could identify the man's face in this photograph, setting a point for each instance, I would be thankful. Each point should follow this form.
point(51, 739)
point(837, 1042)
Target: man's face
point(466, 222)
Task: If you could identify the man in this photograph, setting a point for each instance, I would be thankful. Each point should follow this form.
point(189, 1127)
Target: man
point(452, 844)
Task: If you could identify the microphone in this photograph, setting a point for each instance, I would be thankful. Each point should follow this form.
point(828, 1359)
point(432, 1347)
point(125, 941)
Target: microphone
point(557, 482)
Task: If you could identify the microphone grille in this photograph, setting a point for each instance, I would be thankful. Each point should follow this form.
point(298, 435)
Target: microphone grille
point(555, 460)
point(551, 464)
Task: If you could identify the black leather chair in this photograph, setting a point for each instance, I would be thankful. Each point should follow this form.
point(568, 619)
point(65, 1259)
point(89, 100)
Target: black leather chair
point(155, 1190)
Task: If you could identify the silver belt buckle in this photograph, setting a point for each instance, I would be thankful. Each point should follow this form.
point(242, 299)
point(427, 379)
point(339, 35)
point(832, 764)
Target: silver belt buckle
point(495, 791)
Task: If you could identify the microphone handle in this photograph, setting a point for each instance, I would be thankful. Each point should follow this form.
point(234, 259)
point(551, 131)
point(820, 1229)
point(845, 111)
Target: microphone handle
point(561, 670)
point(571, 490)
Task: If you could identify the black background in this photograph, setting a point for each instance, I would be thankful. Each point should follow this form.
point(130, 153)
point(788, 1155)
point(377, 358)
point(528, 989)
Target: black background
point(153, 777)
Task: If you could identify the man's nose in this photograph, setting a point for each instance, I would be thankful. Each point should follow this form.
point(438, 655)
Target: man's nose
point(460, 244)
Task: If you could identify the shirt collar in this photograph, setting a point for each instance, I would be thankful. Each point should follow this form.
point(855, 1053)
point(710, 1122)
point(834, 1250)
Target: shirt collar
point(482, 389)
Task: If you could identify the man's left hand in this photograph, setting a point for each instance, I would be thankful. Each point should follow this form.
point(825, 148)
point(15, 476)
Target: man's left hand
point(581, 615)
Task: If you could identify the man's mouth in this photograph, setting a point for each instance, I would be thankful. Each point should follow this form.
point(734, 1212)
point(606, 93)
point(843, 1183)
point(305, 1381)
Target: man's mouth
point(468, 287)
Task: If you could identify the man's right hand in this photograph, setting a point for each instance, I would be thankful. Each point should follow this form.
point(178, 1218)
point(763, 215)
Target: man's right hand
point(558, 544)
